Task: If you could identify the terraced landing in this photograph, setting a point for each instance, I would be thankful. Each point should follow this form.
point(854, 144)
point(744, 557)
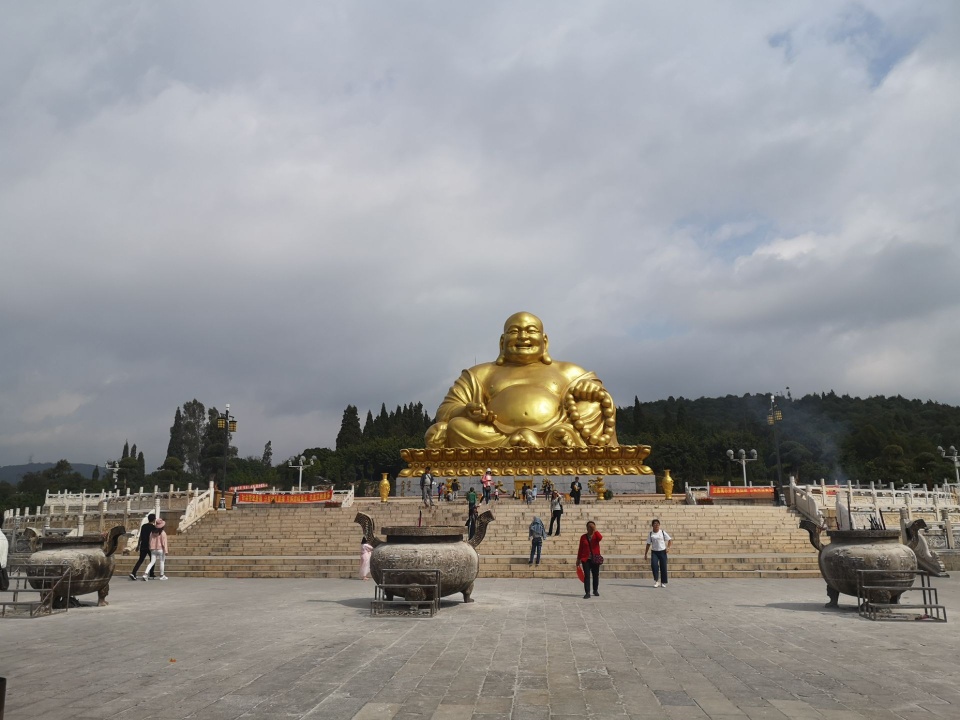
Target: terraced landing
point(709, 541)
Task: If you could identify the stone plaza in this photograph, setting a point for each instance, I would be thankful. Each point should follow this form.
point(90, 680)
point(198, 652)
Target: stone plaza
point(224, 648)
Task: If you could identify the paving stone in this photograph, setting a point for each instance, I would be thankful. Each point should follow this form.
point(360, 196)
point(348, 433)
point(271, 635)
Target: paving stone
point(526, 650)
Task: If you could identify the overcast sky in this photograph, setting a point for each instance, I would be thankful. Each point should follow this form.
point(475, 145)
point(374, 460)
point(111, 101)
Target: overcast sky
point(294, 206)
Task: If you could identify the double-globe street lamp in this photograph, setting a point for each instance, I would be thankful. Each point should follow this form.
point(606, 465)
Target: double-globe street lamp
point(775, 416)
point(227, 423)
point(952, 457)
point(300, 463)
point(742, 458)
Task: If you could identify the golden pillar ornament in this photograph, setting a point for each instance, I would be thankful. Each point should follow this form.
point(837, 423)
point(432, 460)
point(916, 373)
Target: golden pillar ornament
point(667, 485)
point(384, 488)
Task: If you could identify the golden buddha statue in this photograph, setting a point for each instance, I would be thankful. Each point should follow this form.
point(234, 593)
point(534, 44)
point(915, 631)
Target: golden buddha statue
point(525, 399)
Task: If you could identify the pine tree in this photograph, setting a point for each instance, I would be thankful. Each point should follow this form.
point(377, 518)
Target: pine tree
point(194, 428)
point(176, 448)
point(126, 450)
point(141, 466)
point(267, 458)
point(96, 473)
point(350, 433)
point(133, 450)
point(368, 427)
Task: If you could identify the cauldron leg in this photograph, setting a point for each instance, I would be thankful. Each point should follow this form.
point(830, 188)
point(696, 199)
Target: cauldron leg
point(467, 593)
point(834, 596)
point(102, 595)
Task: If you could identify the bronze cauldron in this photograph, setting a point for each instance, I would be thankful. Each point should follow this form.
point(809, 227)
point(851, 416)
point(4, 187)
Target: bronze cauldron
point(413, 548)
point(86, 562)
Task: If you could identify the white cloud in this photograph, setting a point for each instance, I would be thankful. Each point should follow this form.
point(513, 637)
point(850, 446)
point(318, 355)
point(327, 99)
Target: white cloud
point(294, 209)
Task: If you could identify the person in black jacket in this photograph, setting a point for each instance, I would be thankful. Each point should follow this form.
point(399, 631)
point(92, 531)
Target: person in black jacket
point(143, 544)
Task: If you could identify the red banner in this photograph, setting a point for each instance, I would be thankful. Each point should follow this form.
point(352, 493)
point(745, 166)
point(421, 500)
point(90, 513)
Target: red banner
point(741, 491)
point(286, 498)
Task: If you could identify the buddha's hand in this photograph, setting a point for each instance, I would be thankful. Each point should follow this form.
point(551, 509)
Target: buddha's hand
point(589, 391)
point(479, 413)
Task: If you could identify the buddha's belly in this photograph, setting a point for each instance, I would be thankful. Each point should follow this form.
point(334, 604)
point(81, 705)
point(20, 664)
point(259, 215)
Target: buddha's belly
point(525, 406)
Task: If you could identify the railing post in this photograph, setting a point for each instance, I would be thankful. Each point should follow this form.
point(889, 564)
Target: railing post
point(948, 529)
point(903, 524)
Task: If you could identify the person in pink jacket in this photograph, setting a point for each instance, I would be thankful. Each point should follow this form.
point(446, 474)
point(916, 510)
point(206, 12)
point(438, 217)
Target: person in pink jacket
point(158, 549)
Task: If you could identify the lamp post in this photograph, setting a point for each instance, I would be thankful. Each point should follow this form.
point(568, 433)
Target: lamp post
point(952, 457)
point(774, 416)
point(227, 423)
point(113, 467)
point(300, 465)
point(741, 457)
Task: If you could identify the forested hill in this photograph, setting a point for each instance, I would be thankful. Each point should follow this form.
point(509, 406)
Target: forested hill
point(13, 473)
point(820, 436)
point(837, 437)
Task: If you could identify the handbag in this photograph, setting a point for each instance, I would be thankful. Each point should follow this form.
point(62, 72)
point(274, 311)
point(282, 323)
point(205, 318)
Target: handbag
point(598, 559)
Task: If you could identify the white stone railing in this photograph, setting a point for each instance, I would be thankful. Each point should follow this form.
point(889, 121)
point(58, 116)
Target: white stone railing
point(64, 502)
point(806, 504)
point(873, 498)
point(344, 497)
point(197, 507)
point(96, 512)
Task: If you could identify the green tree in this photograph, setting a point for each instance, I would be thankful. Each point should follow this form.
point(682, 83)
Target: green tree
point(176, 448)
point(194, 430)
point(267, 459)
point(350, 433)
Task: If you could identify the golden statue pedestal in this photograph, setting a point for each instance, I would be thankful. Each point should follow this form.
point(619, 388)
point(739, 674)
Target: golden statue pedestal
point(523, 461)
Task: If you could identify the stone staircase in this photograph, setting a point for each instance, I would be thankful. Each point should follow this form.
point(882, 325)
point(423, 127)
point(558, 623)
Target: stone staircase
point(285, 541)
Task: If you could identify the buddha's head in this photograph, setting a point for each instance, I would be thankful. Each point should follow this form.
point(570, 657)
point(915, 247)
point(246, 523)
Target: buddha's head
point(523, 341)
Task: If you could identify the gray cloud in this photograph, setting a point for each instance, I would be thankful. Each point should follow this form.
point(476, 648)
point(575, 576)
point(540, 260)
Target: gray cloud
point(294, 209)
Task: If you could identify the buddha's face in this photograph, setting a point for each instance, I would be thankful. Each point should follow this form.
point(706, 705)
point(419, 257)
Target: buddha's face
point(523, 341)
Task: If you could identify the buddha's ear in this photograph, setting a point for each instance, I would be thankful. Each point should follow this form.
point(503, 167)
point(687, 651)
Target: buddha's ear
point(546, 359)
point(501, 359)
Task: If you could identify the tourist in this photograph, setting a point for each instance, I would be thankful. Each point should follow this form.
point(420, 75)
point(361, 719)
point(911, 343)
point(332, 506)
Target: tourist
point(487, 483)
point(454, 488)
point(143, 544)
point(533, 493)
point(366, 550)
point(536, 532)
point(590, 559)
point(4, 550)
point(158, 549)
point(660, 541)
point(526, 494)
point(471, 523)
point(471, 499)
point(426, 487)
point(575, 489)
point(441, 489)
point(556, 510)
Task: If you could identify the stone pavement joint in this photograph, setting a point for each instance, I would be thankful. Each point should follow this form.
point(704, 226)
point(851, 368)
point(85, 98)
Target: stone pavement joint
point(530, 649)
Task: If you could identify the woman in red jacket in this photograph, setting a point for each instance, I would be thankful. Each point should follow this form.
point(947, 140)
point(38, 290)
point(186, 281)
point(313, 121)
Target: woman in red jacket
point(588, 555)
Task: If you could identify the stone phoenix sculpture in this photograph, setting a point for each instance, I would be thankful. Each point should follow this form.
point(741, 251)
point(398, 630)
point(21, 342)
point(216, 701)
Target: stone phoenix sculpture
point(525, 399)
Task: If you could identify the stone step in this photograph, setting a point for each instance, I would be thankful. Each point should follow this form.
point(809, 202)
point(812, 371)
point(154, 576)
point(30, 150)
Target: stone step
point(491, 566)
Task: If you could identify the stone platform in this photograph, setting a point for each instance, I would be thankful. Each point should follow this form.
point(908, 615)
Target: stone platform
point(219, 649)
point(527, 462)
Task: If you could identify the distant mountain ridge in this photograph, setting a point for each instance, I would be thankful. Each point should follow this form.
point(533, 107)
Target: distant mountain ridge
point(13, 473)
